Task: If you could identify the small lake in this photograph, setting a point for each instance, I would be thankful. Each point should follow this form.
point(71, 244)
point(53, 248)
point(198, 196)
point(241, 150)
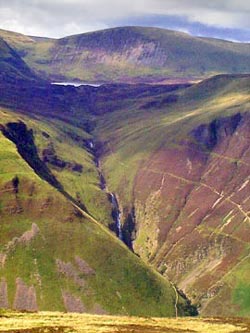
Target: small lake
point(76, 84)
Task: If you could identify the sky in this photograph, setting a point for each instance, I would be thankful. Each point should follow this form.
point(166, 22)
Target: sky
point(226, 19)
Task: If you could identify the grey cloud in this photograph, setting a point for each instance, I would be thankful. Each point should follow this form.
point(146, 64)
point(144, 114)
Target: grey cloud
point(64, 17)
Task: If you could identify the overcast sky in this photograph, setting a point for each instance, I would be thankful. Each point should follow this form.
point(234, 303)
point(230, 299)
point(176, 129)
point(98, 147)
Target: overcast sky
point(227, 19)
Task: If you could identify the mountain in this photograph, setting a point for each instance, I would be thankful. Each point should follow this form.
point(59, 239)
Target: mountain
point(56, 251)
point(130, 54)
point(179, 165)
point(165, 167)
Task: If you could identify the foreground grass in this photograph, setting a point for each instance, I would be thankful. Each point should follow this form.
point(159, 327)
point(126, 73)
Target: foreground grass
point(65, 323)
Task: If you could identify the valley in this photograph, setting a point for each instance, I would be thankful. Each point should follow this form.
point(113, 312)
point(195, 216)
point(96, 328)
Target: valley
point(130, 197)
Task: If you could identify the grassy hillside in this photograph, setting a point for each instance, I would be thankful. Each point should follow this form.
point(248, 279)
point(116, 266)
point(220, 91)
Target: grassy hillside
point(131, 54)
point(180, 170)
point(177, 158)
point(12, 67)
point(63, 149)
point(54, 258)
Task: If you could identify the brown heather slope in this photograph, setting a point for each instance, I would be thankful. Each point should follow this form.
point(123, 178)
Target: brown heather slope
point(202, 200)
point(181, 173)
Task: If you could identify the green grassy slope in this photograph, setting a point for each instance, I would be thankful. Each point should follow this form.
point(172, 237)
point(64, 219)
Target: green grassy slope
point(170, 165)
point(134, 135)
point(12, 67)
point(68, 145)
point(178, 162)
point(131, 54)
point(52, 249)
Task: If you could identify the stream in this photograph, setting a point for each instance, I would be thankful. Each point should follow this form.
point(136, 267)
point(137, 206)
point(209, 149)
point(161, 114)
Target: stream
point(116, 212)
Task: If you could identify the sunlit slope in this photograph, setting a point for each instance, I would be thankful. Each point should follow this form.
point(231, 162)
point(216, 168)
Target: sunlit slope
point(52, 258)
point(130, 54)
point(52, 322)
point(182, 174)
point(63, 149)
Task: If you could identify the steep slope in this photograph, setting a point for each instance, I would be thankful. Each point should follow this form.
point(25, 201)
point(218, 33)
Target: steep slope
point(176, 159)
point(52, 256)
point(131, 54)
point(181, 173)
point(12, 68)
point(61, 119)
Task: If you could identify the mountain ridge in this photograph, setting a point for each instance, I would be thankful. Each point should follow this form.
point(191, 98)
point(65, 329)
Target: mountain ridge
point(131, 54)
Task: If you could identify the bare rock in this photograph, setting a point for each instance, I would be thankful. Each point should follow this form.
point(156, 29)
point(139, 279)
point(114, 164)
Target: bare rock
point(3, 294)
point(69, 271)
point(25, 297)
point(84, 267)
point(3, 257)
point(72, 303)
point(97, 309)
point(30, 234)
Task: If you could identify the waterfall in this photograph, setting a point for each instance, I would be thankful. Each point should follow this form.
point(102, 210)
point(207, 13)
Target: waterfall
point(116, 212)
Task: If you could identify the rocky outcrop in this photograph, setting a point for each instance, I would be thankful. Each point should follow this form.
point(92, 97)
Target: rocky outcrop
point(25, 239)
point(25, 297)
point(3, 294)
point(3, 257)
point(83, 267)
point(70, 272)
point(24, 140)
point(76, 273)
point(49, 156)
point(209, 135)
point(30, 234)
point(72, 303)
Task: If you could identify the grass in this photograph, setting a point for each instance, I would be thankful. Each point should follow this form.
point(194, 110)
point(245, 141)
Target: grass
point(134, 135)
point(80, 185)
point(51, 322)
point(122, 283)
point(149, 53)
